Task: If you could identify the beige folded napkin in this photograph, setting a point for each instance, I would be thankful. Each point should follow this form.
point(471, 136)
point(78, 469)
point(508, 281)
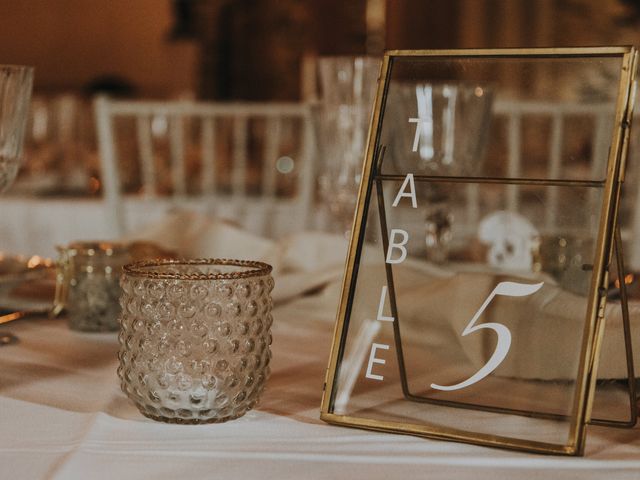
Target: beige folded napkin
point(301, 262)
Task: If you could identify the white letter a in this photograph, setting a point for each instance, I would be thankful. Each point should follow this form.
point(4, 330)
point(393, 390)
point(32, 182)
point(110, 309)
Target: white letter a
point(412, 194)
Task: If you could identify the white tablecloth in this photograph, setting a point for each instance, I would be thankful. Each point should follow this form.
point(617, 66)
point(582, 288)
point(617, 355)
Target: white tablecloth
point(34, 226)
point(63, 416)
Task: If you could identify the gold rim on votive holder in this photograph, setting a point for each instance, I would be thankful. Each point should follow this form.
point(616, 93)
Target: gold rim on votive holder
point(145, 268)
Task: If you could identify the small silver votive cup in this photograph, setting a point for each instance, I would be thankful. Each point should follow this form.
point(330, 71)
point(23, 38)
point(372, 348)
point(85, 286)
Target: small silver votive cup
point(87, 284)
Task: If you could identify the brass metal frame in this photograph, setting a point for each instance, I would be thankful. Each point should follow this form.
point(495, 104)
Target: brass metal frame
point(608, 242)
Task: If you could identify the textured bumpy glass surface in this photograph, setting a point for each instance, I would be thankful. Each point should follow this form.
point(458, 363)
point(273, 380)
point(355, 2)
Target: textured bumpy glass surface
point(195, 350)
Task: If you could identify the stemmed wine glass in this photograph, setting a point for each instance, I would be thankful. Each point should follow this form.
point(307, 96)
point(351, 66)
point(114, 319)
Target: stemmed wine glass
point(15, 93)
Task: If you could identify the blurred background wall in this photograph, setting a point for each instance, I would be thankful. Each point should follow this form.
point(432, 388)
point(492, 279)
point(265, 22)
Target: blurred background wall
point(259, 49)
point(74, 42)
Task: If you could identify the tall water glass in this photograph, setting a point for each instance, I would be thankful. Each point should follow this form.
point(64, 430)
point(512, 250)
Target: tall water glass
point(441, 130)
point(15, 92)
point(341, 123)
point(347, 80)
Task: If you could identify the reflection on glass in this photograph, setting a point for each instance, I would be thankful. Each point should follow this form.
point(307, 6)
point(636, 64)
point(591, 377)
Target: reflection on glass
point(441, 129)
point(438, 129)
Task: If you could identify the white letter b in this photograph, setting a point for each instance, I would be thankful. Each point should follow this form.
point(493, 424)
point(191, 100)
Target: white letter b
point(399, 245)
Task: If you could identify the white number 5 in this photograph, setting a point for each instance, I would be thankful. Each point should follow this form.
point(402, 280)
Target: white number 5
point(508, 289)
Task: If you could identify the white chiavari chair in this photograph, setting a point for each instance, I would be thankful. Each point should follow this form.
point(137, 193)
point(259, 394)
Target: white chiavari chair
point(269, 212)
point(560, 116)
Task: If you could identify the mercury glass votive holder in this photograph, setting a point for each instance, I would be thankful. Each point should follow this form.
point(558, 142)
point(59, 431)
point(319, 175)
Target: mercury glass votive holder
point(195, 337)
point(87, 284)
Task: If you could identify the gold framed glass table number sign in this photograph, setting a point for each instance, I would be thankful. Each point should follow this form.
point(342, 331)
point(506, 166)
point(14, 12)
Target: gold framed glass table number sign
point(485, 253)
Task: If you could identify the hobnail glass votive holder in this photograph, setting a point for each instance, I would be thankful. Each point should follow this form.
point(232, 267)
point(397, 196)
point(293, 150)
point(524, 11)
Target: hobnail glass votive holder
point(195, 337)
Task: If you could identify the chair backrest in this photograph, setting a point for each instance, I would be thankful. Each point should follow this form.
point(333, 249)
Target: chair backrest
point(559, 115)
point(223, 176)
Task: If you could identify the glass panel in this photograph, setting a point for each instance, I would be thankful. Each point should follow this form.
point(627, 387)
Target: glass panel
point(540, 118)
point(491, 302)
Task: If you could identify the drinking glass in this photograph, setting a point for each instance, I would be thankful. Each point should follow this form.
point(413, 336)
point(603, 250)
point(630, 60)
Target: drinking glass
point(87, 284)
point(341, 122)
point(448, 137)
point(341, 131)
point(15, 92)
point(195, 337)
point(347, 80)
